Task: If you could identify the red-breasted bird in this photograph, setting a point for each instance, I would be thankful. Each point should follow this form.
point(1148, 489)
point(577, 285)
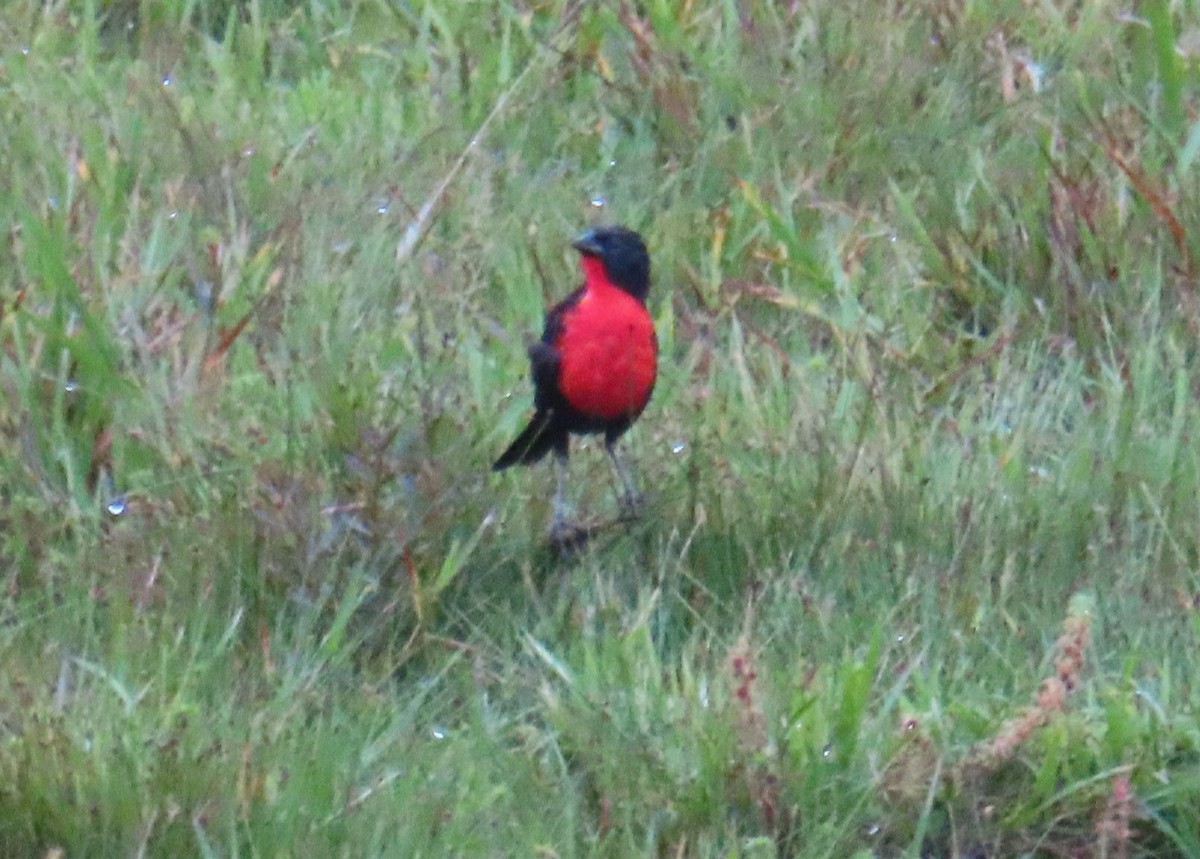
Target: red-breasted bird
point(595, 366)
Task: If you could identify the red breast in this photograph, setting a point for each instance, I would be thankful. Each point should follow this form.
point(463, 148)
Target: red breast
point(608, 352)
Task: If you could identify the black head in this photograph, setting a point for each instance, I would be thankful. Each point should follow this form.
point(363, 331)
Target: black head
point(623, 254)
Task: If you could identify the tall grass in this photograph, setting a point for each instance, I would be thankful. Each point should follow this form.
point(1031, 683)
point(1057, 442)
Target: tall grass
point(918, 575)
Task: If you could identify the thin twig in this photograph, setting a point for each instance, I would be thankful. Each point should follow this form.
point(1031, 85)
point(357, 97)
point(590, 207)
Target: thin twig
point(417, 229)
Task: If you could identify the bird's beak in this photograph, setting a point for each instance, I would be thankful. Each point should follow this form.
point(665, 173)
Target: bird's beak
point(587, 244)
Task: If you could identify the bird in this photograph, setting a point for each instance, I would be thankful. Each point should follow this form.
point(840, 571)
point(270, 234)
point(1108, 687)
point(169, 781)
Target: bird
point(594, 368)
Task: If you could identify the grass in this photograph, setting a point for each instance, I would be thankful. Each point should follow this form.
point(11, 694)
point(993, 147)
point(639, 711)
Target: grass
point(919, 575)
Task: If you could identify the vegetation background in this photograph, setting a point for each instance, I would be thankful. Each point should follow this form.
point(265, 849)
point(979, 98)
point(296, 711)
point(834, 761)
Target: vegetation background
point(921, 570)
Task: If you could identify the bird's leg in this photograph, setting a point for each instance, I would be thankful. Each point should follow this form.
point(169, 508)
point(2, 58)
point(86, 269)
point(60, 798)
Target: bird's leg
point(561, 523)
point(630, 499)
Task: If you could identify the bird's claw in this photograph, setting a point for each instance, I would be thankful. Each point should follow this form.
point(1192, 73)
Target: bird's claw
point(568, 536)
point(631, 505)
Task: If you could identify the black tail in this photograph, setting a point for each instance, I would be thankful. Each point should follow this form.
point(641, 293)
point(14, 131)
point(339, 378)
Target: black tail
point(534, 442)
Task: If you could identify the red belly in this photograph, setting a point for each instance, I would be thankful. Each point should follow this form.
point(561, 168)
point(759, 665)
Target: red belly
point(607, 355)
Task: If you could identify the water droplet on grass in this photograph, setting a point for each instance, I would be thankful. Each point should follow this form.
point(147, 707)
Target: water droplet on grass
point(202, 291)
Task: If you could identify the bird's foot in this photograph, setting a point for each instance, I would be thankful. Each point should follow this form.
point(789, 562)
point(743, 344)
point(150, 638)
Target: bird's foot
point(631, 505)
point(568, 536)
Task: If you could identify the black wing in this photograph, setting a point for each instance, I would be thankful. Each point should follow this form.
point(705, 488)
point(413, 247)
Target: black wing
point(544, 357)
point(546, 430)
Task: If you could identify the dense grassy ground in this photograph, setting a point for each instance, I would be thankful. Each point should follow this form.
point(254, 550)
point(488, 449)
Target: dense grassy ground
point(921, 569)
